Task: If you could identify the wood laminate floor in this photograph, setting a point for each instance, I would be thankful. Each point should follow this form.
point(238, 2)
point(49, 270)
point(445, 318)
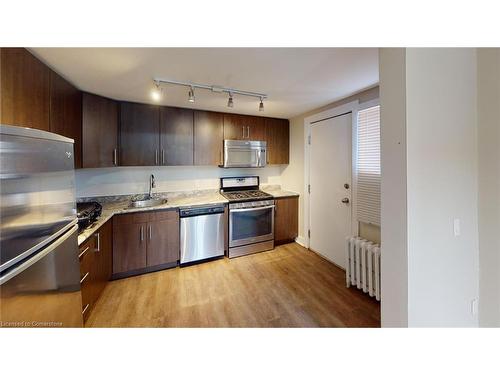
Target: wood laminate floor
point(289, 286)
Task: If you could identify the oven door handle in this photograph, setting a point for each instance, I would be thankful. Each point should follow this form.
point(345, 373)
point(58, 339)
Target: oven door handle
point(252, 208)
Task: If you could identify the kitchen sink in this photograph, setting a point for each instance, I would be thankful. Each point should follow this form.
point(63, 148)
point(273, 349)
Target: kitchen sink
point(148, 202)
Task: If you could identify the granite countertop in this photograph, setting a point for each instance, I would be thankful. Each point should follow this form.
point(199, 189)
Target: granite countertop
point(116, 205)
point(277, 192)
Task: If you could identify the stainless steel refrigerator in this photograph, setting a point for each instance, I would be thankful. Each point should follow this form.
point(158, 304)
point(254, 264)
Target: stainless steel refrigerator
point(39, 267)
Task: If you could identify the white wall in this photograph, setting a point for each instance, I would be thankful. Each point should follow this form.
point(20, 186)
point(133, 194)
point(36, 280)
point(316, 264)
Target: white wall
point(392, 72)
point(135, 180)
point(489, 185)
point(441, 186)
point(439, 95)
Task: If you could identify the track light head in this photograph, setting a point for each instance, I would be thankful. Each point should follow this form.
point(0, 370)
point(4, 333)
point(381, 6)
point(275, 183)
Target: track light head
point(261, 105)
point(156, 92)
point(230, 101)
point(191, 95)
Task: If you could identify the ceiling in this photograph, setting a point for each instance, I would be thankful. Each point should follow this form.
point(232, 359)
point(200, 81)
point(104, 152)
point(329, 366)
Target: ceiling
point(296, 80)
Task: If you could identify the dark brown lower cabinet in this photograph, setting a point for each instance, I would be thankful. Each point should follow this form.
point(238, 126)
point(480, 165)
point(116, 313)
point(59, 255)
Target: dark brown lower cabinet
point(144, 242)
point(95, 266)
point(163, 238)
point(129, 242)
point(286, 220)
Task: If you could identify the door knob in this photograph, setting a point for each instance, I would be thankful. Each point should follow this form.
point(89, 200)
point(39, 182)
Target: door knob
point(345, 200)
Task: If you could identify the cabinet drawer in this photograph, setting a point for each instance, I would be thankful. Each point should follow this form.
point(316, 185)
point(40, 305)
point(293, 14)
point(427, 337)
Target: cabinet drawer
point(86, 251)
point(87, 307)
point(133, 218)
point(164, 215)
point(86, 285)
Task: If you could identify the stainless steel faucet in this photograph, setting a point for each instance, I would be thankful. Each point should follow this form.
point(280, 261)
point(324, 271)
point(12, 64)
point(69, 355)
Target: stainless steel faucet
point(151, 186)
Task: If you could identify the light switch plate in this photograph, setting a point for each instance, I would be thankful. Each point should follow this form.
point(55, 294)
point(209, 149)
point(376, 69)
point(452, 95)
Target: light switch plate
point(456, 227)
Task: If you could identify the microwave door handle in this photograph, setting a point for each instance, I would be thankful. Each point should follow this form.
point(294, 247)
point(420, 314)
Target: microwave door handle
point(252, 209)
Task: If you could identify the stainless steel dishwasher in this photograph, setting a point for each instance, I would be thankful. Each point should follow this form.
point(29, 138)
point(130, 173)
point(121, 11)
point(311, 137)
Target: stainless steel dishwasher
point(202, 233)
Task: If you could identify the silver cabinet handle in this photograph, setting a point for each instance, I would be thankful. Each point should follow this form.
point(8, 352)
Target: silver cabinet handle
point(162, 156)
point(98, 247)
point(83, 252)
point(85, 308)
point(156, 157)
point(142, 233)
point(115, 157)
point(84, 277)
point(248, 132)
point(150, 232)
point(243, 131)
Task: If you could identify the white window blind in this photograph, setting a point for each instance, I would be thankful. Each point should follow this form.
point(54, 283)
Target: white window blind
point(368, 165)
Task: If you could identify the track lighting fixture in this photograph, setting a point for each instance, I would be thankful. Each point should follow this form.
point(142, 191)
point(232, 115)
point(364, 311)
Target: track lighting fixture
point(214, 89)
point(191, 95)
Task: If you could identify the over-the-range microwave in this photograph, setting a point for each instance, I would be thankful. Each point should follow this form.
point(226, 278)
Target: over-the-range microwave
point(244, 154)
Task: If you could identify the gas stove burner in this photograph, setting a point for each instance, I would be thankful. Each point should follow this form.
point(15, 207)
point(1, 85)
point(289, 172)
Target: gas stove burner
point(242, 189)
point(246, 195)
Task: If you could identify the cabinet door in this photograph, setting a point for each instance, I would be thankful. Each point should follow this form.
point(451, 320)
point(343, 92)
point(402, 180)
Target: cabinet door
point(139, 134)
point(208, 138)
point(66, 112)
point(103, 256)
point(24, 89)
point(278, 140)
point(129, 246)
point(99, 131)
point(286, 219)
point(241, 127)
point(176, 136)
point(163, 238)
point(257, 129)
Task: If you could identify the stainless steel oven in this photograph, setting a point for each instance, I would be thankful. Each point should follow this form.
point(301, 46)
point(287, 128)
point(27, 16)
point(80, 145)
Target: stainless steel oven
point(251, 222)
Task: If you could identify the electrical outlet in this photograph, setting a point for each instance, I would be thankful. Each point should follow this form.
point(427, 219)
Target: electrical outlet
point(456, 227)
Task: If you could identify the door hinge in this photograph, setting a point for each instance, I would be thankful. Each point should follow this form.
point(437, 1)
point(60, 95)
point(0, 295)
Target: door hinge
point(309, 233)
point(309, 188)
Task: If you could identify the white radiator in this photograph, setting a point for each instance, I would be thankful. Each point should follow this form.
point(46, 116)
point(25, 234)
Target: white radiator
point(363, 265)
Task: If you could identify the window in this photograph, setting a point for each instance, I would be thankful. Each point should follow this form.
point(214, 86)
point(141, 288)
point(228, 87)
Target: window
point(368, 165)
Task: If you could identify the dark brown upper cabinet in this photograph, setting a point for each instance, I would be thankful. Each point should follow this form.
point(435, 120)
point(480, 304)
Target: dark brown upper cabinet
point(278, 140)
point(24, 89)
point(208, 138)
point(241, 127)
point(176, 136)
point(100, 131)
point(66, 112)
point(139, 134)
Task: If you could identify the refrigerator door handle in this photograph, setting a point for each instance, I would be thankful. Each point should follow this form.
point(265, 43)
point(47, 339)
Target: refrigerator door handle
point(16, 271)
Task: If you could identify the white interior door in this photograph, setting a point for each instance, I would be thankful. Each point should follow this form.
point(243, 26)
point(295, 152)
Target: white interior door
point(329, 170)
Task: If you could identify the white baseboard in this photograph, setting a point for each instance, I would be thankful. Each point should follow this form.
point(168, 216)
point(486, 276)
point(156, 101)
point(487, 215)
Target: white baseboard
point(301, 241)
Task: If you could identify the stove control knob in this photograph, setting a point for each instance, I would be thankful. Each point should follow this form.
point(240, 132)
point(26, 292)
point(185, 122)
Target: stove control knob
point(345, 200)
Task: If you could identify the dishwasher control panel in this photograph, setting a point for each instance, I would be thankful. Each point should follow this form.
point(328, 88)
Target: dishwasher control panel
point(203, 210)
